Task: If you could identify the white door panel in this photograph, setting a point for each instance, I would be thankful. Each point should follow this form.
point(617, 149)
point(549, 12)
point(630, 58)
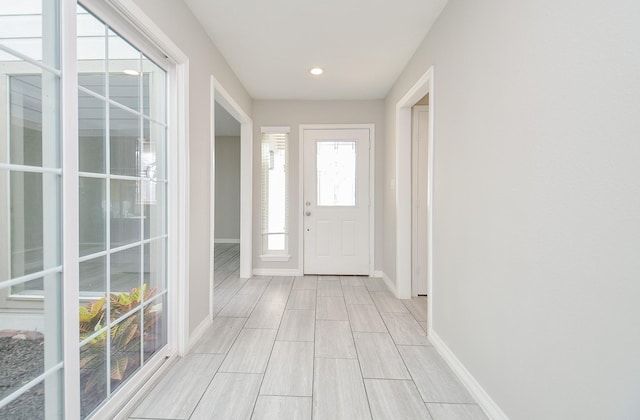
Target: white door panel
point(336, 201)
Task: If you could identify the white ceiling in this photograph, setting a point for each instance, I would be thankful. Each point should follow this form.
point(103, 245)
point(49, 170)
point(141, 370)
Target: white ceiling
point(363, 45)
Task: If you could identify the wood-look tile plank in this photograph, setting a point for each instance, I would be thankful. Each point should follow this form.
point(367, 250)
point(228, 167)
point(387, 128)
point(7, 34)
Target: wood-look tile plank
point(255, 286)
point(239, 306)
point(441, 411)
point(436, 382)
point(379, 357)
point(274, 296)
point(230, 396)
point(282, 281)
point(178, 392)
point(331, 308)
point(338, 391)
point(267, 313)
point(423, 325)
point(223, 294)
point(306, 283)
point(386, 302)
point(223, 248)
point(250, 352)
point(228, 257)
point(351, 281)
point(227, 267)
point(275, 408)
point(329, 288)
point(376, 285)
point(418, 307)
point(220, 277)
point(219, 336)
point(334, 340)
point(278, 289)
point(393, 399)
point(365, 318)
point(290, 370)
point(302, 299)
point(297, 325)
point(356, 295)
point(404, 329)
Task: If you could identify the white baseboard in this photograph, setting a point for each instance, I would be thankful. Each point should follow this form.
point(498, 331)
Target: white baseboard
point(285, 272)
point(491, 409)
point(390, 285)
point(199, 332)
point(226, 241)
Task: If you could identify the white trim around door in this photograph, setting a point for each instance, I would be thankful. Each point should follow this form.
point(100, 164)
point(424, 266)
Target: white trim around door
point(403, 190)
point(372, 168)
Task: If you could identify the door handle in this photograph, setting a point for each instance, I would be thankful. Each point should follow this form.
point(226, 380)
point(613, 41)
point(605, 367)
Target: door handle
point(308, 213)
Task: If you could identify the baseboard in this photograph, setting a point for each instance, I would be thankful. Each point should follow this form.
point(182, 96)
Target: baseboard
point(226, 241)
point(390, 285)
point(199, 332)
point(285, 272)
point(491, 409)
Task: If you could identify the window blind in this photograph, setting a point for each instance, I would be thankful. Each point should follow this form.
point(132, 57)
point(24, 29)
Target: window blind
point(275, 189)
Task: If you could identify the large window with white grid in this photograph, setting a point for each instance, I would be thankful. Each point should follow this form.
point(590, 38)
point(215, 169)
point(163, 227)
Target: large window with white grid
point(122, 208)
point(113, 256)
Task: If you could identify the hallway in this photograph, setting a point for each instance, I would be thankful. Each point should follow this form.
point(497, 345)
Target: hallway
point(309, 347)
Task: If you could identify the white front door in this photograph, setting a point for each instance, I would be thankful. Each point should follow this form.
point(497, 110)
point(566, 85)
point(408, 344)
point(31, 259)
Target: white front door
point(336, 201)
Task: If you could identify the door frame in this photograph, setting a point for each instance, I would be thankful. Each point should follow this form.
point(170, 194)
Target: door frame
point(372, 137)
point(424, 85)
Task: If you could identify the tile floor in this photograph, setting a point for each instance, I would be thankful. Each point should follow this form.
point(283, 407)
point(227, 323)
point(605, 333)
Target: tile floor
point(309, 348)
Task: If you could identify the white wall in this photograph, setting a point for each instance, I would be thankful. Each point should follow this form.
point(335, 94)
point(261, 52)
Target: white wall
point(227, 188)
point(177, 21)
point(293, 114)
point(537, 200)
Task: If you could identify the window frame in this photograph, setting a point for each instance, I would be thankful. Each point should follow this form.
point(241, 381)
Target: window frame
point(130, 21)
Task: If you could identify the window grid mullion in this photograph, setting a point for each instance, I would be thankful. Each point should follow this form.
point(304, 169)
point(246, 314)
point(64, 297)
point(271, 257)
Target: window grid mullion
point(107, 153)
point(141, 204)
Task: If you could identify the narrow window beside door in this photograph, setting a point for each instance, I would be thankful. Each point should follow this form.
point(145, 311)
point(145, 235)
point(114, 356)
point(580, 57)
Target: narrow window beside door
point(275, 194)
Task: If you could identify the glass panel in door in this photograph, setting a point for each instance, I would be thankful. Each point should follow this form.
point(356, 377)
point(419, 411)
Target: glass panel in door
point(336, 173)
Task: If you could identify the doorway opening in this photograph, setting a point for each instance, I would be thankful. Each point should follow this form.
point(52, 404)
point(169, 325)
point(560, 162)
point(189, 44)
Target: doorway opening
point(416, 246)
point(231, 190)
point(226, 243)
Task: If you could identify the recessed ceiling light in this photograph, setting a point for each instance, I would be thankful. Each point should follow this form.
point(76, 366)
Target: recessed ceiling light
point(316, 71)
point(131, 72)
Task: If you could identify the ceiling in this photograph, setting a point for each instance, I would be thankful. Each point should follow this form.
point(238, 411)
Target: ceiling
point(363, 45)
